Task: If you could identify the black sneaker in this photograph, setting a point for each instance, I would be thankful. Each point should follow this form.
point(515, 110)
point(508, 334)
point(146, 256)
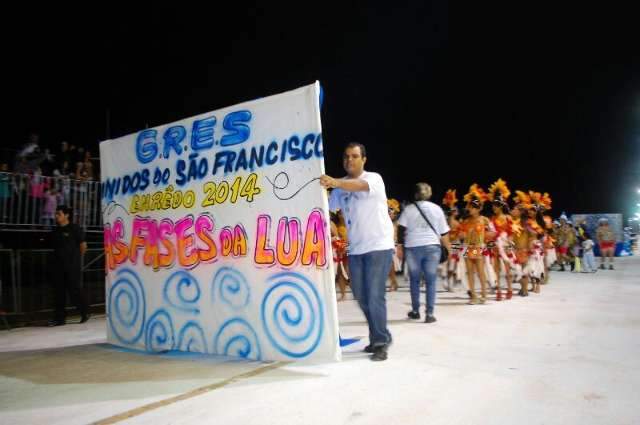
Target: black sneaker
point(601, 266)
point(52, 323)
point(610, 266)
point(430, 319)
point(379, 354)
point(85, 318)
point(413, 315)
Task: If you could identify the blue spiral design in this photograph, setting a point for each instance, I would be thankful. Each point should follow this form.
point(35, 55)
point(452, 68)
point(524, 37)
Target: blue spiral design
point(159, 335)
point(191, 338)
point(126, 307)
point(230, 287)
point(292, 314)
point(237, 338)
point(182, 291)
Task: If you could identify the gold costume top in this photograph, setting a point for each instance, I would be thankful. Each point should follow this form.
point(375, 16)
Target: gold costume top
point(566, 236)
point(454, 230)
point(502, 223)
point(520, 234)
point(534, 227)
point(605, 234)
point(475, 230)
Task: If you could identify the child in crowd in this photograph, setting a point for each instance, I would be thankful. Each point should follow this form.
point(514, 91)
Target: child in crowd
point(588, 259)
point(50, 205)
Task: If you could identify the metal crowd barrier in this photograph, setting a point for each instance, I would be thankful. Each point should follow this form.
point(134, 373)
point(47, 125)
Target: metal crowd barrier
point(26, 284)
point(27, 201)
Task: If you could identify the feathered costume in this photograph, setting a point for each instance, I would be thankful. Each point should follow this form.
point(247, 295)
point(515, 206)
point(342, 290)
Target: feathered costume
point(502, 251)
point(455, 267)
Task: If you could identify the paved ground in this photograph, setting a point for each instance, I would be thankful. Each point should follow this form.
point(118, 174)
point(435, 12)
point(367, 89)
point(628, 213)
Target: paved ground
point(567, 356)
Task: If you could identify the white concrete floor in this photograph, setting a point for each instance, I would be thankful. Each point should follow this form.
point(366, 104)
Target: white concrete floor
point(567, 356)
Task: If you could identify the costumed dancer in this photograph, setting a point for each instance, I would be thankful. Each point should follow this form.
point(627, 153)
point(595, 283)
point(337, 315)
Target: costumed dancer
point(536, 224)
point(553, 232)
point(501, 251)
point(394, 213)
point(476, 229)
point(339, 245)
point(455, 267)
point(607, 241)
point(523, 237)
point(548, 241)
point(565, 240)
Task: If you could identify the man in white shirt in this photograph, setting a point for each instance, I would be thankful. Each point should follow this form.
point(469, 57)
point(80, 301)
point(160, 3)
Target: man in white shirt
point(420, 241)
point(362, 198)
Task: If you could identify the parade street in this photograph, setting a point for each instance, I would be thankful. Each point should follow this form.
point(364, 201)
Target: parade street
point(566, 355)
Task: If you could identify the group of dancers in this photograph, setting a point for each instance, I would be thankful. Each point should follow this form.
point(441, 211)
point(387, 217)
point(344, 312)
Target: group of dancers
point(514, 240)
point(497, 237)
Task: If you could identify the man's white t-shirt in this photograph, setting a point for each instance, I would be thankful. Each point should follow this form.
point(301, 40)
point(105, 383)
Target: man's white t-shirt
point(418, 232)
point(369, 227)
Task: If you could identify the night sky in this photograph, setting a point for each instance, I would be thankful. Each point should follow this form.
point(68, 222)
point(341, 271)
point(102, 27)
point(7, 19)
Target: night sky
point(547, 99)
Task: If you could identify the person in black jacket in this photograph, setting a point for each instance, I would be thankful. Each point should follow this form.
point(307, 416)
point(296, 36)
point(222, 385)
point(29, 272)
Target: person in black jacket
point(67, 241)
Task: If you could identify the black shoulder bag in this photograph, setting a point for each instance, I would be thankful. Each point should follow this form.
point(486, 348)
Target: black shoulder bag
point(444, 253)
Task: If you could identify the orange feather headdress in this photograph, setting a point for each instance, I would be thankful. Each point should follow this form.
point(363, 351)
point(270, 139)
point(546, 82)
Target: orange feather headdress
point(476, 196)
point(540, 201)
point(522, 200)
point(393, 204)
point(450, 199)
point(499, 192)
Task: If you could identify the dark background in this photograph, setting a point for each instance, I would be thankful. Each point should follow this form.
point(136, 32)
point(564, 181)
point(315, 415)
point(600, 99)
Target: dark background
point(546, 98)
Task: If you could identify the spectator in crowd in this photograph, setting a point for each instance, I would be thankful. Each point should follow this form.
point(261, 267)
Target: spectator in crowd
point(37, 186)
point(79, 154)
point(63, 156)
point(63, 183)
point(31, 146)
point(22, 166)
point(84, 174)
point(5, 190)
point(49, 208)
point(47, 164)
point(74, 157)
point(84, 168)
point(30, 156)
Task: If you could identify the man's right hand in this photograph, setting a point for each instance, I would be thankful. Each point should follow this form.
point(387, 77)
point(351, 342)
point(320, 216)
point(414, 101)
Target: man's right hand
point(328, 182)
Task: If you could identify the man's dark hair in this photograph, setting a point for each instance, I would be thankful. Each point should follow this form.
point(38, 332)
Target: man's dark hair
point(363, 150)
point(65, 210)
